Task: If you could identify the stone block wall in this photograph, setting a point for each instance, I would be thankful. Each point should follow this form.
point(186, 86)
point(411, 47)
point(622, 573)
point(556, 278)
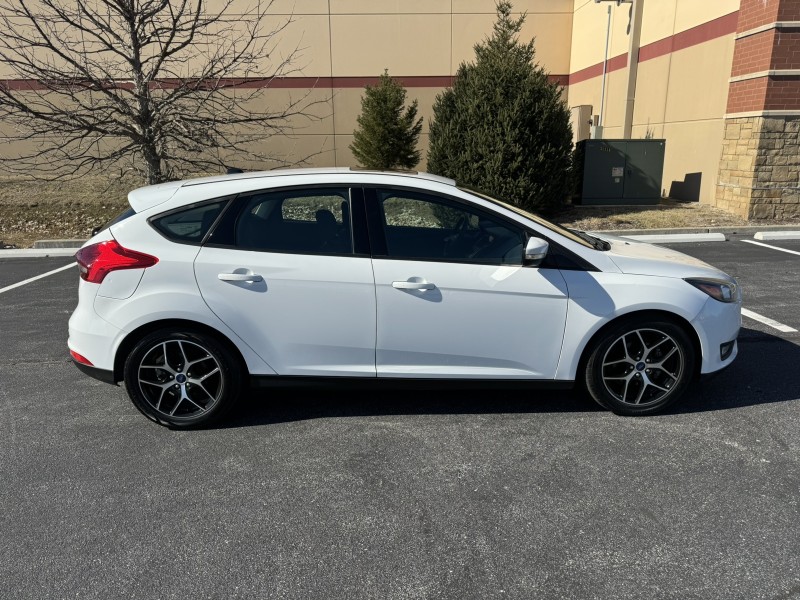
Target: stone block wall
point(759, 175)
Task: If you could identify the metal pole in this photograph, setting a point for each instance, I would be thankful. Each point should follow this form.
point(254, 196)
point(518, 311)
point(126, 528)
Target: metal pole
point(605, 62)
point(633, 65)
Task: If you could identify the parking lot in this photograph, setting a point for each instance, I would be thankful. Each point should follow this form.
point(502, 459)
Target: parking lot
point(457, 494)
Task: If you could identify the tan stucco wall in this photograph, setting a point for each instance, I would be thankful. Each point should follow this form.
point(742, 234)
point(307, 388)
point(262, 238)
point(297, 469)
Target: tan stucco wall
point(361, 38)
point(680, 96)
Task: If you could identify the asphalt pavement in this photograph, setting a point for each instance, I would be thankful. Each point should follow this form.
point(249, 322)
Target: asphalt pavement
point(458, 494)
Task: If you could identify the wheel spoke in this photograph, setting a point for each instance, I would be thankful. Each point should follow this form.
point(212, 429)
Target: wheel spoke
point(668, 374)
point(641, 340)
point(616, 362)
point(207, 375)
point(664, 359)
point(198, 360)
point(202, 387)
point(655, 385)
point(183, 353)
point(641, 393)
point(624, 343)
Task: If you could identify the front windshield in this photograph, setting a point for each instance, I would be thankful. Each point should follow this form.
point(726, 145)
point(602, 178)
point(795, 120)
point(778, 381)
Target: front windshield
point(537, 219)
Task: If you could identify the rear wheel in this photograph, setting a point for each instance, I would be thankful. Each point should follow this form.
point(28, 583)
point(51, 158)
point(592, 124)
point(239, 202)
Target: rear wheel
point(640, 367)
point(182, 379)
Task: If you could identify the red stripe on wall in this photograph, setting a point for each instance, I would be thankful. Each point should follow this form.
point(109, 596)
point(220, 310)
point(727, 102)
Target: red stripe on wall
point(422, 81)
point(612, 64)
point(691, 37)
point(706, 32)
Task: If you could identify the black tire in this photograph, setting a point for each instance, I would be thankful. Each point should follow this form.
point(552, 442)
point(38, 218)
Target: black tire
point(640, 367)
point(164, 388)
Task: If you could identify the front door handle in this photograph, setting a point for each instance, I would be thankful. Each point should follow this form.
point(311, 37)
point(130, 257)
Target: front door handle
point(248, 277)
point(413, 285)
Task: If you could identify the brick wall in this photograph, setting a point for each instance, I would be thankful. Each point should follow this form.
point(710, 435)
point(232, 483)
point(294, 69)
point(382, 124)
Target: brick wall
point(759, 171)
point(748, 95)
point(789, 10)
point(772, 49)
point(783, 93)
point(764, 93)
point(754, 13)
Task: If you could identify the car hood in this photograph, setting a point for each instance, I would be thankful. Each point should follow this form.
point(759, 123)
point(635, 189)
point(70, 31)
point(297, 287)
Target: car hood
point(641, 258)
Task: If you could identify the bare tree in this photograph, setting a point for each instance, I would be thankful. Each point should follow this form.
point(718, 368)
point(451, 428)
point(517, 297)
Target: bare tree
point(162, 87)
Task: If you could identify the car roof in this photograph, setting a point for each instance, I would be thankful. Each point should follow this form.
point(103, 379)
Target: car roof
point(149, 196)
point(315, 171)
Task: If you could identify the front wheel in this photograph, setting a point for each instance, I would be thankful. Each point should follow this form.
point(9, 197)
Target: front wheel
point(640, 367)
point(182, 379)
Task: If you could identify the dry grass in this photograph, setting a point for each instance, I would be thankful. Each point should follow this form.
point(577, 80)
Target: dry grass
point(31, 211)
point(666, 215)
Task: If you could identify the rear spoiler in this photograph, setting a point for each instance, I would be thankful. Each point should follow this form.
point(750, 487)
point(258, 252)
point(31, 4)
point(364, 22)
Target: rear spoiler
point(149, 196)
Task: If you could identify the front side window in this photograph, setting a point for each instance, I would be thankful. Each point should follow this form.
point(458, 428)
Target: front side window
point(418, 226)
point(313, 221)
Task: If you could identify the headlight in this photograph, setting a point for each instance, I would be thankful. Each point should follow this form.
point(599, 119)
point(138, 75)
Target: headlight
point(724, 291)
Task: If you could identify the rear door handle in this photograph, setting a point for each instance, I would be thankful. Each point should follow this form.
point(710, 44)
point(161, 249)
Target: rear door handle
point(413, 285)
point(248, 277)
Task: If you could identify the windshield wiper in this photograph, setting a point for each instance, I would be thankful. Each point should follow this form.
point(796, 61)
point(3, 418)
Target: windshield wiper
point(596, 243)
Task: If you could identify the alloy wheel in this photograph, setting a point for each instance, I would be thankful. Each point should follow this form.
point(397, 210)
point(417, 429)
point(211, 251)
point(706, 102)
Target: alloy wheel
point(180, 379)
point(642, 366)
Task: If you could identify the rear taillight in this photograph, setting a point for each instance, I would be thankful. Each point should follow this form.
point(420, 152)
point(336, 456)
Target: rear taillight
point(98, 260)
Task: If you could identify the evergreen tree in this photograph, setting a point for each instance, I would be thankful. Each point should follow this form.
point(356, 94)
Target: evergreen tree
point(503, 128)
point(387, 134)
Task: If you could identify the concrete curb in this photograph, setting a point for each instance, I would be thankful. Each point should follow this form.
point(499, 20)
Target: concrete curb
point(39, 244)
point(37, 252)
point(731, 230)
point(672, 238)
point(706, 234)
point(777, 235)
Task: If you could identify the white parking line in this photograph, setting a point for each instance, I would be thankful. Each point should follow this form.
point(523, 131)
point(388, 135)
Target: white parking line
point(767, 321)
point(772, 247)
point(21, 283)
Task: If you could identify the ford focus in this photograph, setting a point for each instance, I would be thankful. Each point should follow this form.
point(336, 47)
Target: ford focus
point(204, 288)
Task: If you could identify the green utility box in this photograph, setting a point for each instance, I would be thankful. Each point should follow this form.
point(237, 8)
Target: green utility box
point(620, 171)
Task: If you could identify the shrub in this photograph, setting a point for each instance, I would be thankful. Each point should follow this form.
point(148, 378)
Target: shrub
point(388, 131)
point(503, 128)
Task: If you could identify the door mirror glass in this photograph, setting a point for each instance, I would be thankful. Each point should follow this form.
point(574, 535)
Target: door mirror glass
point(535, 251)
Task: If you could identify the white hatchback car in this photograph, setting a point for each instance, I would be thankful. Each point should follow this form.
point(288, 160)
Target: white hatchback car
point(207, 286)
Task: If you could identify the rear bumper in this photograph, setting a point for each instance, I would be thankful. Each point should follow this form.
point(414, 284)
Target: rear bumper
point(90, 335)
point(100, 374)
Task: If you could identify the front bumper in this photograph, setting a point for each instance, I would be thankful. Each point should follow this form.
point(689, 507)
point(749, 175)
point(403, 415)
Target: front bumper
point(718, 325)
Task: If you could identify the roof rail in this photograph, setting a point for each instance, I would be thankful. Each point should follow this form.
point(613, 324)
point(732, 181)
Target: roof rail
point(410, 173)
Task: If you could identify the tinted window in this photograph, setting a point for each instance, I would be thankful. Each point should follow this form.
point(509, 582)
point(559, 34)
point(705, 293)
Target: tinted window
point(303, 221)
point(189, 225)
point(432, 228)
point(128, 212)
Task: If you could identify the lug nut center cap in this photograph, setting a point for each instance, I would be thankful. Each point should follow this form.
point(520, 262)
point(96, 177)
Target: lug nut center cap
point(640, 366)
point(180, 378)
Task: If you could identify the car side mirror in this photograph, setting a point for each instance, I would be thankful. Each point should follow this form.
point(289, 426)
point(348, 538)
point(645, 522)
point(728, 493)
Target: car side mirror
point(535, 251)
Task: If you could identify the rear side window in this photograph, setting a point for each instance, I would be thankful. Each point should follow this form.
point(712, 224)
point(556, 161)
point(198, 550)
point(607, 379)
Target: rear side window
point(189, 225)
point(304, 221)
point(128, 212)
